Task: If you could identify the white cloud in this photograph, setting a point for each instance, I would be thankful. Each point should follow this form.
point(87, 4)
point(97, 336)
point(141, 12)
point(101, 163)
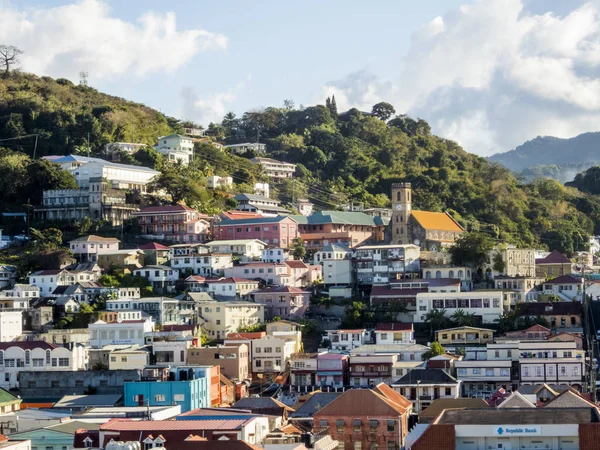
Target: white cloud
point(63, 40)
point(495, 73)
point(206, 108)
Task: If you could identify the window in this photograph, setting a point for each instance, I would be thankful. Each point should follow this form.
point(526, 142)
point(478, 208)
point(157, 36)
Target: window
point(374, 425)
point(358, 445)
point(62, 362)
point(323, 423)
point(27, 357)
point(391, 445)
point(356, 425)
point(448, 391)
point(159, 398)
point(476, 371)
point(258, 363)
point(576, 370)
point(391, 426)
point(339, 425)
point(461, 372)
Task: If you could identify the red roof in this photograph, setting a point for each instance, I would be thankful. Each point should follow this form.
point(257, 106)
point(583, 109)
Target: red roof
point(158, 426)
point(554, 257)
point(231, 280)
point(295, 264)
point(28, 345)
point(153, 246)
point(394, 327)
point(245, 336)
point(384, 291)
point(436, 437)
point(165, 209)
point(293, 290)
point(565, 279)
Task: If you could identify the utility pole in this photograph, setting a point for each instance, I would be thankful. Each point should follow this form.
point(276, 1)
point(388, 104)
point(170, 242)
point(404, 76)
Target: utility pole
point(35, 146)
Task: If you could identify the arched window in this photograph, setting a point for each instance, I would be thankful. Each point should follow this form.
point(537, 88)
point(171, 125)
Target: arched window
point(48, 353)
point(438, 274)
point(460, 274)
point(451, 274)
point(398, 196)
point(27, 357)
point(2, 358)
point(428, 274)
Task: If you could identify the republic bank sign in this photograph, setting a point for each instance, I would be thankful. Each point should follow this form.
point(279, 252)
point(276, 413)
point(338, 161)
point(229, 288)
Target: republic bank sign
point(517, 430)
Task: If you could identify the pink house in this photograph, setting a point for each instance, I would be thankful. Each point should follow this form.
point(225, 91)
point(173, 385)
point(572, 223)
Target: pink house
point(177, 223)
point(283, 301)
point(332, 370)
point(280, 230)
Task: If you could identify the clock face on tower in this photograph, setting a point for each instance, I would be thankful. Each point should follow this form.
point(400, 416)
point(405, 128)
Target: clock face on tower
point(399, 207)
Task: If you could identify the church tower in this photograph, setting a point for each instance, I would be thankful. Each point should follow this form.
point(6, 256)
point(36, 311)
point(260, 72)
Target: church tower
point(401, 206)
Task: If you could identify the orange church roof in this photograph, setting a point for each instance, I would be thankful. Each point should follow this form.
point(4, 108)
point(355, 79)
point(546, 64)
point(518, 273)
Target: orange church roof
point(436, 221)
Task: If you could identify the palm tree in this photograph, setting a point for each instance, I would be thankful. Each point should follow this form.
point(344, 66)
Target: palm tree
point(463, 319)
point(437, 320)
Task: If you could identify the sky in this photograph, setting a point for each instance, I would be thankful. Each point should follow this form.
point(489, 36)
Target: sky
point(489, 74)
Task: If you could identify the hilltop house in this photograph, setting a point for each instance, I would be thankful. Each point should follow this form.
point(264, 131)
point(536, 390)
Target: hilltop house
point(176, 147)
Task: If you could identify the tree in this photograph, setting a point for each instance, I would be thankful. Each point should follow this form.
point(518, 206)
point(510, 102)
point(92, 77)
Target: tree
point(498, 263)
point(383, 111)
point(297, 248)
point(47, 240)
point(471, 248)
point(9, 57)
point(333, 107)
point(463, 319)
point(437, 320)
point(435, 349)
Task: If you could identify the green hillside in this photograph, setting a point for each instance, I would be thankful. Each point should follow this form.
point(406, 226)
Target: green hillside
point(349, 158)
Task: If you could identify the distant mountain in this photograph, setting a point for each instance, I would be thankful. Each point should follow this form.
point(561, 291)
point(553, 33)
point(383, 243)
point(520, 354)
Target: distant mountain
point(553, 157)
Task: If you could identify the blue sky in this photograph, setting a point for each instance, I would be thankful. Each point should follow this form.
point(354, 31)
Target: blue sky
point(489, 74)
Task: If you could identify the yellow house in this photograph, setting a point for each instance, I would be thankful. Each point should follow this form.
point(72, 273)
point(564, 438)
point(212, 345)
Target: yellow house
point(464, 335)
point(130, 259)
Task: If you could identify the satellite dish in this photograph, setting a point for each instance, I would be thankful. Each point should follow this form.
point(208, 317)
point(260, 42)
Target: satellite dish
point(417, 242)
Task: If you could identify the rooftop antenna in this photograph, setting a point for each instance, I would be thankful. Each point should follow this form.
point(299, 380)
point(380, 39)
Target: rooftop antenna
point(83, 78)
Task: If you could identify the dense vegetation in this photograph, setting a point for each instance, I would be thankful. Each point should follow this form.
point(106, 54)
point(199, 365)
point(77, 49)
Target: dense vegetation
point(342, 158)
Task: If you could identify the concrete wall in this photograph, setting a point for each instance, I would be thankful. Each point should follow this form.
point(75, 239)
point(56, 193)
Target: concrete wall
point(61, 383)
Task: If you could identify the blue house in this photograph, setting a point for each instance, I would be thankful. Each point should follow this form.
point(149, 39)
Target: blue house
point(188, 387)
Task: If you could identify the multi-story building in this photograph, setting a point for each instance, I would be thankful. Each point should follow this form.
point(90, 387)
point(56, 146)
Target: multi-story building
point(518, 262)
point(534, 333)
point(486, 305)
point(303, 370)
point(161, 278)
point(449, 272)
point(49, 280)
point(11, 324)
point(270, 354)
point(552, 363)
point(274, 169)
point(87, 248)
point(37, 356)
point(197, 258)
point(188, 387)
point(350, 229)
point(422, 386)
point(483, 378)
point(346, 339)
point(560, 315)
point(8, 274)
point(394, 333)
point(332, 370)
point(130, 331)
point(129, 358)
point(566, 287)
point(380, 264)
point(227, 317)
point(405, 352)
point(283, 301)
point(163, 310)
point(231, 288)
point(527, 288)
point(240, 149)
point(25, 291)
point(464, 336)
point(260, 204)
point(245, 248)
point(126, 258)
point(177, 223)
point(176, 147)
point(154, 253)
point(280, 230)
point(554, 264)
point(171, 351)
point(217, 182)
point(366, 419)
point(120, 177)
point(233, 359)
point(275, 254)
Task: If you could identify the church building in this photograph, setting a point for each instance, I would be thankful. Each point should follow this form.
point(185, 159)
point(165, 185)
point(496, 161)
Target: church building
point(429, 230)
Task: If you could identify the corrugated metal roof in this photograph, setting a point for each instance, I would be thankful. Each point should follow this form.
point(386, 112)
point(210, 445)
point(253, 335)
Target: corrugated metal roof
point(436, 221)
point(187, 425)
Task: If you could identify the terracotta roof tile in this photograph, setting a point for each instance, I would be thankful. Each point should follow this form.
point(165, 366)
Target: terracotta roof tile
point(436, 221)
point(437, 437)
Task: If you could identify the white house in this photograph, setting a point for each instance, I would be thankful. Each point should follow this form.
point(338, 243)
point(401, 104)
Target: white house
point(22, 291)
point(248, 248)
point(566, 287)
point(126, 147)
point(270, 353)
point(129, 358)
point(11, 325)
point(394, 333)
point(231, 287)
point(423, 386)
point(160, 277)
point(217, 182)
point(87, 248)
point(176, 147)
point(551, 362)
point(206, 264)
point(119, 176)
point(37, 356)
point(275, 255)
point(259, 204)
point(130, 332)
point(276, 169)
point(240, 149)
point(49, 280)
point(485, 304)
point(8, 274)
point(345, 339)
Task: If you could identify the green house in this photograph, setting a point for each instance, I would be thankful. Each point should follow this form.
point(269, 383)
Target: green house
point(54, 437)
